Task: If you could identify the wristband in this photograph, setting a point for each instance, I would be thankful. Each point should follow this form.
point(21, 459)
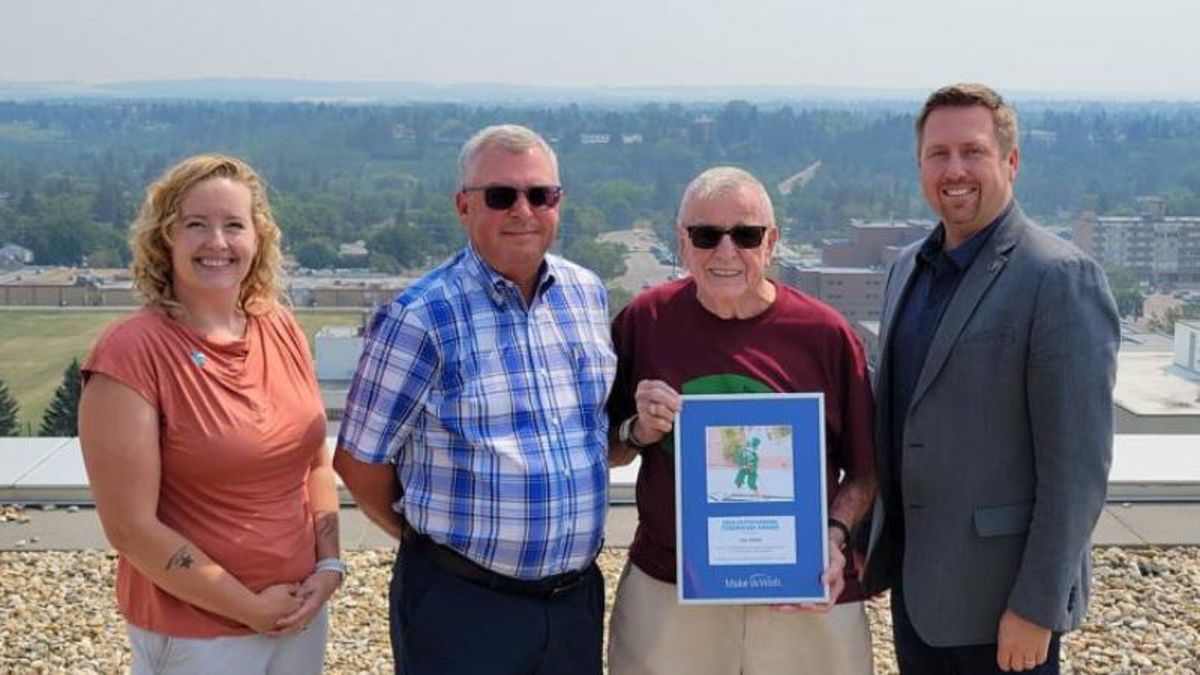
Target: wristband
point(844, 529)
point(332, 565)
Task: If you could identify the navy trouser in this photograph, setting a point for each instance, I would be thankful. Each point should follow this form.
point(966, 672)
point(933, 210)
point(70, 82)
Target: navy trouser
point(916, 657)
point(442, 623)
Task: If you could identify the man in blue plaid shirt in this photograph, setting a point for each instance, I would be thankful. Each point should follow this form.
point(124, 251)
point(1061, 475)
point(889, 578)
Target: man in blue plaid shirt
point(475, 433)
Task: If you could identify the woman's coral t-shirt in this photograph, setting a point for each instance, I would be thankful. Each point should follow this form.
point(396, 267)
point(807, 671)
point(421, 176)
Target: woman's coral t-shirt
point(239, 427)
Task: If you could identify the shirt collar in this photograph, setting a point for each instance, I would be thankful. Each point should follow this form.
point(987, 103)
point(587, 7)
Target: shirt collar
point(499, 289)
point(964, 255)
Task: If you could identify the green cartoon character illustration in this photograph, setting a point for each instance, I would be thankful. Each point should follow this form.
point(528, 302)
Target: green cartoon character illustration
point(746, 459)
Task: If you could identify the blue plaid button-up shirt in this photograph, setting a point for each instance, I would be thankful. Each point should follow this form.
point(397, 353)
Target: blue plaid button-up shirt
point(492, 412)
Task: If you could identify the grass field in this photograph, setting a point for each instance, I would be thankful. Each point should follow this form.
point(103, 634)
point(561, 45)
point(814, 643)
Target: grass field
point(28, 131)
point(36, 345)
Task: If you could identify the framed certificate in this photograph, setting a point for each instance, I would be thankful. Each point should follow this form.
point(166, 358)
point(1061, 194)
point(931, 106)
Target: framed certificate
point(750, 499)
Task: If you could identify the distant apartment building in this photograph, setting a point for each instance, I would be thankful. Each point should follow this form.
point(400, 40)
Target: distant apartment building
point(856, 292)
point(873, 244)
point(1163, 250)
point(852, 270)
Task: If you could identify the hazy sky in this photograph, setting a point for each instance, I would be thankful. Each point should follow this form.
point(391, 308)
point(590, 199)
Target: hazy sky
point(1113, 46)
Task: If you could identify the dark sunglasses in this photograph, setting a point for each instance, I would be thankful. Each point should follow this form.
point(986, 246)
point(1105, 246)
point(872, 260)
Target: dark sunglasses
point(502, 197)
point(743, 236)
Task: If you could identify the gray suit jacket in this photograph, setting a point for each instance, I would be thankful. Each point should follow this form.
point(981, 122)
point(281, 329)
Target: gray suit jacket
point(1006, 445)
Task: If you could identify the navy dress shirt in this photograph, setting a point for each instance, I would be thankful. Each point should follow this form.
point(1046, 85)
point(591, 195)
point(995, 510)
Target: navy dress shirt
point(934, 281)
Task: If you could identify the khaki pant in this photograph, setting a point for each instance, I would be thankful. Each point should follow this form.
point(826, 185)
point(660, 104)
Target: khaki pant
point(652, 634)
point(299, 654)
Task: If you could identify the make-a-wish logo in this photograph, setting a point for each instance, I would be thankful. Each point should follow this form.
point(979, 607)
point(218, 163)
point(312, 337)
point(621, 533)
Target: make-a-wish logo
point(198, 358)
point(757, 580)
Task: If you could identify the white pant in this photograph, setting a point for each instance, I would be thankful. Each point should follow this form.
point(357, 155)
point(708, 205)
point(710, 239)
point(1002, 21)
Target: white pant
point(299, 654)
point(652, 634)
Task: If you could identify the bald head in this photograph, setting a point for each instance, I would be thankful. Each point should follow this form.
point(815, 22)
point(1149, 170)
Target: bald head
point(724, 180)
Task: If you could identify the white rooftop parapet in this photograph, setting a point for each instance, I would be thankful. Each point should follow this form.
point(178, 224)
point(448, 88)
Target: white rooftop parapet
point(1155, 467)
point(1187, 346)
point(1146, 467)
point(41, 470)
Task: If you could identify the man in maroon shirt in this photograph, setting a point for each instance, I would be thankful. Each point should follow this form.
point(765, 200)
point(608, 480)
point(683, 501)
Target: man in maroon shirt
point(726, 328)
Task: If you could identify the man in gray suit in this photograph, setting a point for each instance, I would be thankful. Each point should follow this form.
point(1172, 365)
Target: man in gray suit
point(994, 416)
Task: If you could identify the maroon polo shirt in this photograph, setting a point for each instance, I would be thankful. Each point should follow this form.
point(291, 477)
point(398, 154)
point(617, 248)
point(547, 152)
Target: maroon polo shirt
point(798, 344)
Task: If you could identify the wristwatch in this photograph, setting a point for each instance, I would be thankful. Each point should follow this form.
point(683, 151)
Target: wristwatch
point(836, 524)
point(625, 434)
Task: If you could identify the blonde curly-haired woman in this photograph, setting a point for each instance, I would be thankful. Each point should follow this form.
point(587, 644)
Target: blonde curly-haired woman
point(203, 434)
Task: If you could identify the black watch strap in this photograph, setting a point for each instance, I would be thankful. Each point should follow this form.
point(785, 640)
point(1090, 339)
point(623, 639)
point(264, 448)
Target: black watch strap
point(844, 529)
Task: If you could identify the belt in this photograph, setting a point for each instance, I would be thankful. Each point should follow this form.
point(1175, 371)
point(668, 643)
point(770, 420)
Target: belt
point(460, 566)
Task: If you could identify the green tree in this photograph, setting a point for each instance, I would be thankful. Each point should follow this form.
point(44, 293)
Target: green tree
point(28, 204)
point(317, 253)
point(1124, 285)
point(8, 412)
point(607, 259)
point(108, 204)
point(617, 299)
point(382, 262)
point(621, 201)
point(62, 417)
point(579, 223)
point(1129, 301)
point(407, 244)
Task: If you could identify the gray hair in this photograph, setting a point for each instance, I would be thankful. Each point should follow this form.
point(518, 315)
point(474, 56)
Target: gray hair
point(721, 179)
point(512, 137)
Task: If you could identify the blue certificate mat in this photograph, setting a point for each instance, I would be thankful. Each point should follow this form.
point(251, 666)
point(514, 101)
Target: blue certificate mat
point(750, 498)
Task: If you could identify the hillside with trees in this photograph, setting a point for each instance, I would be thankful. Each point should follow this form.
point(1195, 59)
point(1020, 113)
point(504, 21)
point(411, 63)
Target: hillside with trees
point(72, 173)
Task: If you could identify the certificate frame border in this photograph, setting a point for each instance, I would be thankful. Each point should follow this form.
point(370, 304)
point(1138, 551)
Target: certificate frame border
point(824, 505)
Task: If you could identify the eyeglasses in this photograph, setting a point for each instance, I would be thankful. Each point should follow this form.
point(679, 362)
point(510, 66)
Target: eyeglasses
point(502, 197)
point(743, 236)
